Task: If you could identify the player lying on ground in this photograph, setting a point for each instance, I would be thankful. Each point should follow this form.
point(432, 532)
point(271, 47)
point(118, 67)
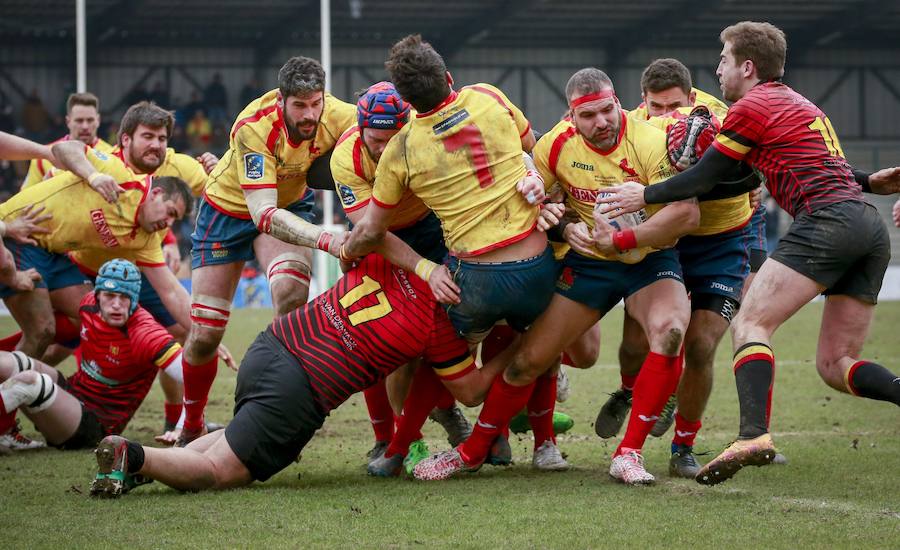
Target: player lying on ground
point(306, 363)
point(122, 350)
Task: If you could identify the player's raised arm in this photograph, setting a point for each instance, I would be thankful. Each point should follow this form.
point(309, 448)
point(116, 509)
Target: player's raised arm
point(70, 155)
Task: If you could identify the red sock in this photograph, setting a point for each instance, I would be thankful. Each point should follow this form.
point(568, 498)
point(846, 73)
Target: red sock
point(67, 334)
point(198, 379)
point(685, 431)
point(655, 383)
point(172, 412)
point(540, 409)
point(424, 392)
point(445, 399)
point(499, 339)
point(381, 415)
point(628, 381)
point(7, 419)
point(503, 402)
point(9, 343)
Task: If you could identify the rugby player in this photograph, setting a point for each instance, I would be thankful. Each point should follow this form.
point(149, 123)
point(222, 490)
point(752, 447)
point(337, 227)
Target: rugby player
point(381, 113)
point(122, 349)
point(305, 364)
point(837, 245)
point(715, 260)
point(463, 157)
point(83, 120)
point(597, 147)
point(257, 204)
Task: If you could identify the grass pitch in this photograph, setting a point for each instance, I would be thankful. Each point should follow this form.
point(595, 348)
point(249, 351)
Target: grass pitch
point(841, 488)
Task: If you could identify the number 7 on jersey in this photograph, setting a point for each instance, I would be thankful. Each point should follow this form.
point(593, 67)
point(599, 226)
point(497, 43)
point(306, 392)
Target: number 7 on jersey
point(470, 136)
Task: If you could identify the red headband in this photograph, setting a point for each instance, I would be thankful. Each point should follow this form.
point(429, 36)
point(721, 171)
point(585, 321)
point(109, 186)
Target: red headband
point(604, 94)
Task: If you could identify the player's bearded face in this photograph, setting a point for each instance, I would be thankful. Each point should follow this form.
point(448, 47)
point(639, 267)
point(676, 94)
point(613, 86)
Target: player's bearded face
point(599, 122)
point(376, 140)
point(302, 114)
point(83, 122)
point(113, 308)
point(146, 149)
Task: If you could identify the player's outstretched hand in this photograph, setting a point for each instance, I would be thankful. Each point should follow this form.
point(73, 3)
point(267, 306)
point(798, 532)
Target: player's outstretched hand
point(337, 241)
point(603, 235)
point(621, 199)
point(532, 187)
point(225, 356)
point(169, 438)
point(27, 224)
point(551, 213)
point(23, 281)
point(442, 285)
point(579, 238)
point(209, 161)
point(897, 213)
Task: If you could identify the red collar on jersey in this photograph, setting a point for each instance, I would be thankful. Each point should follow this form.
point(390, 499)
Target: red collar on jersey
point(603, 94)
point(447, 101)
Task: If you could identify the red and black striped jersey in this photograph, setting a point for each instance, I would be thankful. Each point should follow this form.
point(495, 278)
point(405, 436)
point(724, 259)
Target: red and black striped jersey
point(376, 318)
point(791, 141)
point(116, 366)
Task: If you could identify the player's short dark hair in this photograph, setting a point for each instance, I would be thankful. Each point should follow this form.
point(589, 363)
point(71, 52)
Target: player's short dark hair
point(663, 74)
point(300, 76)
point(174, 188)
point(418, 72)
point(85, 98)
point(762, 43)
point(587, 81)
point(147, 113)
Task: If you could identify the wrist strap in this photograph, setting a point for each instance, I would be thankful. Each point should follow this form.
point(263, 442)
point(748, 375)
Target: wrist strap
point(94, 176)
point(324, 241)
point(624, 240)
point(343, 256)
point(424, 268)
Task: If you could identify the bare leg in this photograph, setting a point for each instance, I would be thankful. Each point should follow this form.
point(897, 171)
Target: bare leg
point(188, 469)
point(287, 268)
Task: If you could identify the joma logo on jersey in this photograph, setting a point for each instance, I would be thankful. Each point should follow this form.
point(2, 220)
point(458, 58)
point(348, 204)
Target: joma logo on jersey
point(446, 124)
point(106, 236)
point(582, 166)
point(254, 167)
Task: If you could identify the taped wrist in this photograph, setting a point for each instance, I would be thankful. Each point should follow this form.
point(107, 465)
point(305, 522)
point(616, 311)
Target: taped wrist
point(290, 228)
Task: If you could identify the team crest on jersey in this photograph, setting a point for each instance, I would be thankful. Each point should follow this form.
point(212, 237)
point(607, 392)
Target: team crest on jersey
point(100, 155)
point(347, 195)
point(254, 168)
point(114, 350)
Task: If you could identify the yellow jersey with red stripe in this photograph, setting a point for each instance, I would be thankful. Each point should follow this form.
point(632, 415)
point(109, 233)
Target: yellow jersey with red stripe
point(40, 169)
point(463, 159)
point(178, 165)
point(261, 155)
point(354, 177)
point(718, 215)
point(82, 219)
point(563, 155)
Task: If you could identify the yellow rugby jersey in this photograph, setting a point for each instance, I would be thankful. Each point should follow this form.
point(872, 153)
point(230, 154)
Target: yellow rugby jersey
point(354, 176)
point(40, 168)
point(261, 155)
point(563, 155)
point(463, 159)
point(82, 219)
point(180, 166)
point(719, 215)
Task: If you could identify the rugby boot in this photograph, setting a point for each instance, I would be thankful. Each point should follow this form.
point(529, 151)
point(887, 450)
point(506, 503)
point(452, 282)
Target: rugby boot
point(758, 451)
point(613, 414)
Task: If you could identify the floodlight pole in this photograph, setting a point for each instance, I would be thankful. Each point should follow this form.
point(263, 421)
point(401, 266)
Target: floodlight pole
point(80, 47)
point(325, 24)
